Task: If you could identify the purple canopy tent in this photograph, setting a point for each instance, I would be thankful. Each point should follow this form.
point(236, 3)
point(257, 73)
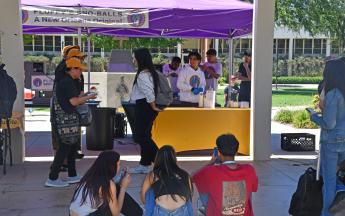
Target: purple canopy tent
point(167, 18)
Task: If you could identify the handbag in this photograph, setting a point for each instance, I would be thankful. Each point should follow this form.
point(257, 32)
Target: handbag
point(85, 115)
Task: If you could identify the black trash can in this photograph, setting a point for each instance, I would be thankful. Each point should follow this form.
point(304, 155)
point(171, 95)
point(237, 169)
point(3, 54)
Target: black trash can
point(129, 109)
point(100, 134)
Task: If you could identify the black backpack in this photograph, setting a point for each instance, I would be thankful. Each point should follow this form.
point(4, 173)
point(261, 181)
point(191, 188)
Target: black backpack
point(8, 93)
point(307, 200)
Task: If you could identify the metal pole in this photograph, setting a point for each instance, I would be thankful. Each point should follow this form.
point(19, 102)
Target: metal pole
point(88, 60)
point(231, 56)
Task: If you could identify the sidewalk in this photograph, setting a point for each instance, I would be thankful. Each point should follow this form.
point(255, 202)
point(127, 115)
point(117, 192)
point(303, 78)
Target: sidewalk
point(23, 192)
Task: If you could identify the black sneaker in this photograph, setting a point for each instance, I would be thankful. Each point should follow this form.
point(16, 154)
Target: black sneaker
point(79, 155)
point(338, 203)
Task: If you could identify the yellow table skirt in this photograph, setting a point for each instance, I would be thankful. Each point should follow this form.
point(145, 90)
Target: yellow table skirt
point(198, 128)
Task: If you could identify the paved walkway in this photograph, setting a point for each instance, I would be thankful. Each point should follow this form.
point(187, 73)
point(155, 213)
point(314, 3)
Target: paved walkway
point(23, 193)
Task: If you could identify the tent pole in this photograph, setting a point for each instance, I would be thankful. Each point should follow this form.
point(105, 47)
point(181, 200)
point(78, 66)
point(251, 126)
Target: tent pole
point(88, 60)
point(231, 57)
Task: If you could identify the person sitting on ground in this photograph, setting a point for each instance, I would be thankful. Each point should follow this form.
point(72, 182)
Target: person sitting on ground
point(226, 188)
point(171, 186)
point(97, 193)
point(191, 81)
point(212, 69)
point(172, 71)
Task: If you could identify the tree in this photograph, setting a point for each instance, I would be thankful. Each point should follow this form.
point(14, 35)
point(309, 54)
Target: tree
point(106, 42)
point(315, 16)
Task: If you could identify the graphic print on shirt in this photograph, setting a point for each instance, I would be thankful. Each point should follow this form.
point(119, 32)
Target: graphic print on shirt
point(194, 81)
point(234, 198)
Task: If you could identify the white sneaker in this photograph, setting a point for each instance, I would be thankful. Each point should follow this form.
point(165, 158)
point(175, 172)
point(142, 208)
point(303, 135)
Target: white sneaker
point(74, 179)
point(140, 170)
point(58, 183)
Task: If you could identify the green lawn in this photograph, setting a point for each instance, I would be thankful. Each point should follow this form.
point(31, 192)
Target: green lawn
point(284, 97)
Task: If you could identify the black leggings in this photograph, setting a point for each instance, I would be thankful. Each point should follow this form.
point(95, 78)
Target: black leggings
point(64, 151)
point(144, 118)
point(129, 208)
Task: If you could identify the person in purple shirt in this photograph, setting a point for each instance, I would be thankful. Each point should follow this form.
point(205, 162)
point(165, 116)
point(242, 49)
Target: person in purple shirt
point(172, 71)
point(212, 69)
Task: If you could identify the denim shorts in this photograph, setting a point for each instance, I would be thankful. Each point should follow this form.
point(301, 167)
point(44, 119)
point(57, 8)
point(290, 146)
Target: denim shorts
point(160, 211)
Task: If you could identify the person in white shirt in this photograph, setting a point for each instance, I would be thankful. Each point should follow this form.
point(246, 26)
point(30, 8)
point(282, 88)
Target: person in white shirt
point(212, 69)
point(191, 81)
point(144, 96)
point(172, 71)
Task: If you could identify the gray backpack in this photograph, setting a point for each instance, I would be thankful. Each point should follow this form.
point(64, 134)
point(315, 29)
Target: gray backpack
point(164, 94)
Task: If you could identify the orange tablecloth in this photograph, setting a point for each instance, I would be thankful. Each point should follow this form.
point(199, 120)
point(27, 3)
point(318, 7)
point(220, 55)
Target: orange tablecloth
point(198, 128)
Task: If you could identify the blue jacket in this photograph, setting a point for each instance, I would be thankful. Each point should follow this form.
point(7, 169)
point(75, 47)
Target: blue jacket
point(332, 120)
point(150, 204)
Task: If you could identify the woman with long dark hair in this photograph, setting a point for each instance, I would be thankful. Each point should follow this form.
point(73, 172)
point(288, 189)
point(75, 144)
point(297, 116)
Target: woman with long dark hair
point(332, 141)
point(144, 92)
point(171, 186)
point(97, 193)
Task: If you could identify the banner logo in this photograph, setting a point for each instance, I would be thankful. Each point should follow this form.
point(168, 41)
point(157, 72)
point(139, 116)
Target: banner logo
point(136, 18)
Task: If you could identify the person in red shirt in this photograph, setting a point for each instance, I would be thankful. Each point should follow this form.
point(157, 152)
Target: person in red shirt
point(225, 185)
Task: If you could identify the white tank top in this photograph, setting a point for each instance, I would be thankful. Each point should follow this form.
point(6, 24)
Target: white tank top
point(86, 208)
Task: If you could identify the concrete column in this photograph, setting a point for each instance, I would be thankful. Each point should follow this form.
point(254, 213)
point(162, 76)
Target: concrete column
point(12, 56)
point(290, 56)
point(263, 28)
point(179, 50)
point(328, 47)
point(290, 48)
point(216, 46)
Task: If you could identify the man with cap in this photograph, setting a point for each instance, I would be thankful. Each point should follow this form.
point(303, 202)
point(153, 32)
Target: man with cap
point(65, 119)
point(244, 74)
point(212, 69)
point(60, 72)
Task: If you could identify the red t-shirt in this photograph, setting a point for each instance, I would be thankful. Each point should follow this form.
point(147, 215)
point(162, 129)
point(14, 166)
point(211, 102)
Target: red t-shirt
point(228, 190)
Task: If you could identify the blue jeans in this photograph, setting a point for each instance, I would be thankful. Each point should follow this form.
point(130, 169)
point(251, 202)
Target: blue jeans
point(331, 155)
point(160, 211)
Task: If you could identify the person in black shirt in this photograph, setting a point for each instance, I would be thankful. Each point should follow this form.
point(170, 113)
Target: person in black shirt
point(65, 119)
point(60, 72)
point(244, 74)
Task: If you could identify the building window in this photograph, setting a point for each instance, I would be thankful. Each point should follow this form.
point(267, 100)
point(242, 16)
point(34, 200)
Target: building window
point(298, 44)
point(48, 43)
point(237, 47)
point(28, 43)
point(244, 45)
point(281, 46)
point(68, 40)
point(335, 47)
point(317, 46)
point(57, 46)
point(38, 42)
point(308, 46)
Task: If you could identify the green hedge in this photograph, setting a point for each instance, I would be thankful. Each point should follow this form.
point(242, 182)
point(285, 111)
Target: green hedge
point(297, 80)
point(298, 118)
